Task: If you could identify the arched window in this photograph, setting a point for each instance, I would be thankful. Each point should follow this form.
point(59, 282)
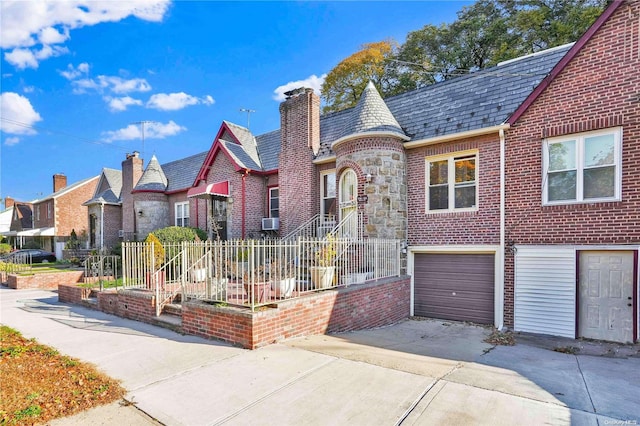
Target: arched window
point(348, 202)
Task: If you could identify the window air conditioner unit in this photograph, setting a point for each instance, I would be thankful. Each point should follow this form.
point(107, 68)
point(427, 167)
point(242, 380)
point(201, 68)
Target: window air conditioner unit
point(270, 224)
point(121, 233)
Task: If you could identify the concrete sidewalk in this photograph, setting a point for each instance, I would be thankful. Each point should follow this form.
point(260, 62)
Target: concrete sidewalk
point(416, 372)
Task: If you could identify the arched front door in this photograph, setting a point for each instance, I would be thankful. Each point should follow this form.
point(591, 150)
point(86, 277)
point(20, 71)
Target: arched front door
point(348, 203)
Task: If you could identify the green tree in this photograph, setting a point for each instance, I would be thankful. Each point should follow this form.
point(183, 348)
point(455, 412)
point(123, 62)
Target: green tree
point(344, 84)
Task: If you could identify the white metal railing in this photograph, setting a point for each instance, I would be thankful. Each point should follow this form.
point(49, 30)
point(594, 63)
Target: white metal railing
point(351, 226)
point(257, 272)
point(316, 227)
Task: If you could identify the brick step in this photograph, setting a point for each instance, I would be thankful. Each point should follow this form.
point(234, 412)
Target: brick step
point(173, 309)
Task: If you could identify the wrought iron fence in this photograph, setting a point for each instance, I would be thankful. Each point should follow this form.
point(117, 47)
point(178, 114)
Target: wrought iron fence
point(256, 272)
point(103, 270)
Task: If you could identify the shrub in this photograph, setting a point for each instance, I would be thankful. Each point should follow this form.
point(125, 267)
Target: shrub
point(158, 250)
point(177, 234)
point(5, 248)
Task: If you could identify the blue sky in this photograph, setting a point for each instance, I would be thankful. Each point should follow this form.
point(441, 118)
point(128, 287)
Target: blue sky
point(76, 76)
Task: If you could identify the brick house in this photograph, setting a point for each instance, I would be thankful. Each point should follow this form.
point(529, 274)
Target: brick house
point(131, 202)
point(56, 215)
point(573, 190)
point(17, 222)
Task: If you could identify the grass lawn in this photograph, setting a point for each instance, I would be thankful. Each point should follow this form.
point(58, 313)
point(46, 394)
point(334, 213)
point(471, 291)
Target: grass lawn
point(39, 384)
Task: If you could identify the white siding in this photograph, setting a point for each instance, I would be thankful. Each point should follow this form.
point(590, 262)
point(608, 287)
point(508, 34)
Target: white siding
point(545, 290)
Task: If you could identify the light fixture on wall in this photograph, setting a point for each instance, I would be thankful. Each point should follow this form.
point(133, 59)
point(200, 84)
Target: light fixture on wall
point(368, 178)
point(140, 213)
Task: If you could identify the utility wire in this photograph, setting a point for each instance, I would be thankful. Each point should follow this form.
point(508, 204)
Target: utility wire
point(57, 132)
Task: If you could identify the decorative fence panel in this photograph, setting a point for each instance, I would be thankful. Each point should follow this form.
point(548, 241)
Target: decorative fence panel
point(255, 273)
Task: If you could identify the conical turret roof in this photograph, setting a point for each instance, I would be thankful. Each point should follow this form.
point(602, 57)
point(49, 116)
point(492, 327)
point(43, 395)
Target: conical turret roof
point(153, 178)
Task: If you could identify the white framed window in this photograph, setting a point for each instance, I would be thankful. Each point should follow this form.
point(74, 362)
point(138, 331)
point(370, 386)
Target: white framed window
point(348, 192)
point(452, 182)
point(38, 212)
point(274, 202)
point(582, 168)
point(328, 193)
point(49, 210)
point(182, 214)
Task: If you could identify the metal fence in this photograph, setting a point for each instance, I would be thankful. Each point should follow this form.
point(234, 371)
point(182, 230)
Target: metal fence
point(106, 271)
point(255, 272)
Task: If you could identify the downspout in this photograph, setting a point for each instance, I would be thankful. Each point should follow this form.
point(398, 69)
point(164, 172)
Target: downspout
point(500, 275)
point(101, 226)
point(244, 187)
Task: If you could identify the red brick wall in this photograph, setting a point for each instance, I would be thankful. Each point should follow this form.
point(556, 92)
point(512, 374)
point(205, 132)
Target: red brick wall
point(179, 197)
point(112, 225)
point(351, 308)
point(300, 130)
point(597, 89)
point(136, 305)
point(131, 174)
point(478, 227)
point(70, 214)
point(70, 293)
point(52, 280)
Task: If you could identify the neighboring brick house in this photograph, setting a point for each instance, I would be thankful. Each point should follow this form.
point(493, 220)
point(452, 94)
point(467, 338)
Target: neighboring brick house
point(573, 190)
point(105, 211)
point(56, 215)
point(129, 203)
point(17, 222)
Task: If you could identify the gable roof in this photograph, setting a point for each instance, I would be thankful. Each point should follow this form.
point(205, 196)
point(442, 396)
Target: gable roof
point(66, 189)
point(478, 100)
point(108, 189)
point(153, 179)
point(560, 66)
point(243, 149)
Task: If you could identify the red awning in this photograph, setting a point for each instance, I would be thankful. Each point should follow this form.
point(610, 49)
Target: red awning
point(203, 191)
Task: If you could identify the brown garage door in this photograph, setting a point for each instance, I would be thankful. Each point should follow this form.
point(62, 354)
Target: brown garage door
point(454, 286)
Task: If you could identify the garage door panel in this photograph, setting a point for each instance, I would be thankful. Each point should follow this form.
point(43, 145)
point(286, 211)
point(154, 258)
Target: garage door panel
point(454, 286)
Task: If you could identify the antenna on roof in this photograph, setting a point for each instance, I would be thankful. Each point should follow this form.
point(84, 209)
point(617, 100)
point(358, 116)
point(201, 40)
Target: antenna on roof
point(248, 111)
point(142, 123)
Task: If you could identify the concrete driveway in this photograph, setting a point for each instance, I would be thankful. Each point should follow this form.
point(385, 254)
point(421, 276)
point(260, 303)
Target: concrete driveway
point(416, 372)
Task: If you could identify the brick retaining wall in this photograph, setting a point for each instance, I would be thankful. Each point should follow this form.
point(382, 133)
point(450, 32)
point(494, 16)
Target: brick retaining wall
point(47, 281)
point(351, 308)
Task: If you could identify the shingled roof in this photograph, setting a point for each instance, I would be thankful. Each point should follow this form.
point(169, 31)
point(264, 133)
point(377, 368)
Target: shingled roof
point(108, 189)
point(477, 100)
point(371, 115)
point(153, 178)
point(181, 173)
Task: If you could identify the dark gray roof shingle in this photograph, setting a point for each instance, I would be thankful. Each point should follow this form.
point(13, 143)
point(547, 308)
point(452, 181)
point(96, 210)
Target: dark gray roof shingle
point(481, 99)
point(153, 178)
point(371, 115)
point(181, 174)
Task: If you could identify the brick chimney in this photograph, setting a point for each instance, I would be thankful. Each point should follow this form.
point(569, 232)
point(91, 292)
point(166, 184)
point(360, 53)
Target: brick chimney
point(297, 175)
point(9, 202)
point(59, 182)
point(131, 173)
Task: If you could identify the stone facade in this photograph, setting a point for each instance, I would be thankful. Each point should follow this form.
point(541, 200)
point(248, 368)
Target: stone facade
point(383, 158)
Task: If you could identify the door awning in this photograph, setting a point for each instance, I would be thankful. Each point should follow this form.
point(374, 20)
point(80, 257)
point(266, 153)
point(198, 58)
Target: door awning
point(203, 191)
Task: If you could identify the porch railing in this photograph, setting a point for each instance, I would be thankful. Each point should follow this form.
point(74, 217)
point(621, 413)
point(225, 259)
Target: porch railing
point(255, 273)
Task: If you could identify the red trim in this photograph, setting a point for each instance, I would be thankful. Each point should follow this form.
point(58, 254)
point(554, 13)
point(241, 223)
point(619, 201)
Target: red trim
point(218, 188)
point(140, 191)
point(564, 61)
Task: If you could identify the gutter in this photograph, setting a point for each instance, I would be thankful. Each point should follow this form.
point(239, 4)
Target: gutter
point(455, 136)
point(499, 294)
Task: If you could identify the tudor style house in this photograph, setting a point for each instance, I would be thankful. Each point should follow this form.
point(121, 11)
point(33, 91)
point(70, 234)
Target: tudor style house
point(508, 185)
point(573, 190)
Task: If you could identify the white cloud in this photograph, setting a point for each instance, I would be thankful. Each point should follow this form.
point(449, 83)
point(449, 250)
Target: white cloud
point(176, 101)
point(26, 25)
point(21, 58)
point(13, 140)
point(28, 89)
point(17, 114)
point(313, 82)
point(110, 83)
point(152, 130)
point(72, 73)
point(121, 104)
